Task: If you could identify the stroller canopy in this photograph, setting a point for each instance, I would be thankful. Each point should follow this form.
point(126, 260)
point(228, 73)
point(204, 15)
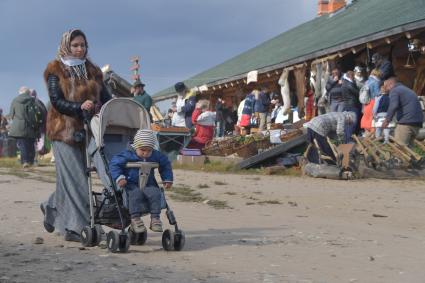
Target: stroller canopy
point(119, 116)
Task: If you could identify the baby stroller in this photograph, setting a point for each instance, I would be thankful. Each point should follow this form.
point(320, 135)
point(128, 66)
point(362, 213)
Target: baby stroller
point(112, 130)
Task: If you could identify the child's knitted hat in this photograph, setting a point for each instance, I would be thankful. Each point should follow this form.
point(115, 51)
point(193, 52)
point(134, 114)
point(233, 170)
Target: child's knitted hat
point(144, 138)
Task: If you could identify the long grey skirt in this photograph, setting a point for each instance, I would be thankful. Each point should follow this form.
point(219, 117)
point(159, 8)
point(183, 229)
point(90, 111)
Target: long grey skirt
point(68, 207)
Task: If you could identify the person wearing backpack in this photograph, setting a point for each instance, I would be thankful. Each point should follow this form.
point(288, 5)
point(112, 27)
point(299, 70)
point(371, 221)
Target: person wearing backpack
point(24, 126)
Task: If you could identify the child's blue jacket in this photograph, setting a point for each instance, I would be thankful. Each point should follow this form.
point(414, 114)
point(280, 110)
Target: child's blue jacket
point(118, 170)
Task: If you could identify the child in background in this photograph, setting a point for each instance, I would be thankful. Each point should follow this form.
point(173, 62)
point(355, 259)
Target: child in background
point(128, 178)
point(382, 102)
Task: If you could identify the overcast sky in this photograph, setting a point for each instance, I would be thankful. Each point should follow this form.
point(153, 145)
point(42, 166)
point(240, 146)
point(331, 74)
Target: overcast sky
point(175, 39)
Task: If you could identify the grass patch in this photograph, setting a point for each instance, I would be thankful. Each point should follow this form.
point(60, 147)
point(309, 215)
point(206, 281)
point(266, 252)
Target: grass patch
point(185, 194)
point(10, 162)
point(15, 169)
point(203, 186)
point(269, 202)
point(207, 167)
point(230, 193)
point(218, 204)
point(220, 183)
point(218, 167)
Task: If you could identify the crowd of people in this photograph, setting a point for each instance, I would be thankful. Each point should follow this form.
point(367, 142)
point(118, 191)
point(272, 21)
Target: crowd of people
point(366, 105)
point(222, 119)
point(373, 103)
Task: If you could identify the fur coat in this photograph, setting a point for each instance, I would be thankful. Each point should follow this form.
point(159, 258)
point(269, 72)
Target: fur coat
point(61, 127)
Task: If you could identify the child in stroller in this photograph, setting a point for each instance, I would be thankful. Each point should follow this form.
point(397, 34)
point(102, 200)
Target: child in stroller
point(113, 130)
point(128, 179)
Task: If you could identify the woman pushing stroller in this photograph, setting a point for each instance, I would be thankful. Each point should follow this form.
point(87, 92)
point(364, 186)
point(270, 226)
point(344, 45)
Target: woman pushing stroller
point(149, 198)
point(75, 87)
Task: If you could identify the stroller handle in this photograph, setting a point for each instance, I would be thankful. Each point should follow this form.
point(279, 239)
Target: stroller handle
point(144, 171)
point(141, 164)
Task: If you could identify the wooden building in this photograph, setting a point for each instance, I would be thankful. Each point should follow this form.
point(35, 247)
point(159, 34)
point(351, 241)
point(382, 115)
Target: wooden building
point(345, 34)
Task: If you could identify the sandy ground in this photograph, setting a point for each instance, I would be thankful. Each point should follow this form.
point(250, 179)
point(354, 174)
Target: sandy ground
point(277, 229)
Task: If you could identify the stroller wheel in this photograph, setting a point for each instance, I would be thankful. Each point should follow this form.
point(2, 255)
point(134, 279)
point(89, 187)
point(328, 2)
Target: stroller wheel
point(112, 241)
point(97, 234)
point(168, 240)
point(179, 240)
point(87, 236)
point(124, 242)
point(138, 239)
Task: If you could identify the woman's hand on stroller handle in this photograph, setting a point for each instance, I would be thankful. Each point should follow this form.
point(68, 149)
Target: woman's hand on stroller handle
point(87, 105)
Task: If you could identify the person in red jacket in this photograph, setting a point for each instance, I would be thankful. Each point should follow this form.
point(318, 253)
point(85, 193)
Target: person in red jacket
point(204, 121)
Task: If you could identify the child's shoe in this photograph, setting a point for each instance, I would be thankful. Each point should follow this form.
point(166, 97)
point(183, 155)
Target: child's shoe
point(156, 225)
point(137, 225)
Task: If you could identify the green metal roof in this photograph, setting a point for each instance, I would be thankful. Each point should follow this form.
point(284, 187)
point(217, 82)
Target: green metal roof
point(359, 20)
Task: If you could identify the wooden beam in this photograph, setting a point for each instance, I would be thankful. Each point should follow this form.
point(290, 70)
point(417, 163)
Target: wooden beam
point(273, 152)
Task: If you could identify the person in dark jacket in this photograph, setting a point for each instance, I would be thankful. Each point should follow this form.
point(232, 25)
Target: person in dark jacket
point(189, 97)
point(220, 109)
point(333, 88)
point(140, 201)
point(384, 66)
point(261, 108)
point(404, 103)
point(350, 92)
point(141, 96)
point(25, 135)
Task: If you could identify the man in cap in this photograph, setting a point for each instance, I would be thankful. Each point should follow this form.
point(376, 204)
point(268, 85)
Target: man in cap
point(141, 96)
point(186, 102)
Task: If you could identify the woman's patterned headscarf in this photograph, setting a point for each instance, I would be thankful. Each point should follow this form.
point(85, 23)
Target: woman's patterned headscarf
point(65, 45)
point(76, 67)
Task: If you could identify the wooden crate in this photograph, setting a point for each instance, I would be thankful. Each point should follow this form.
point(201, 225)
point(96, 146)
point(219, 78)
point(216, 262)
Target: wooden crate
point(159, 128)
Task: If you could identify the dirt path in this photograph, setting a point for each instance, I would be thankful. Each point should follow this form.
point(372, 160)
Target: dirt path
point(239, 229)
